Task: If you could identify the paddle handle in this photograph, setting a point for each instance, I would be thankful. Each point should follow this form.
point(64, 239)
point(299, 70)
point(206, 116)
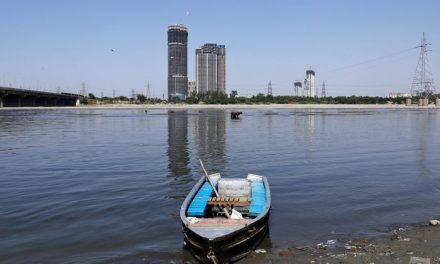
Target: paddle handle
point(209, 179)
point(213, 187)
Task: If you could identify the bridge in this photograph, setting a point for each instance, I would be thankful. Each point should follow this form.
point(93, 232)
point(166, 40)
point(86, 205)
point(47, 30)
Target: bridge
point(13, 97)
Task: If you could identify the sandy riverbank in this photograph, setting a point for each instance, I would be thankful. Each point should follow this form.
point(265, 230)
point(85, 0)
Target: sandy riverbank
point(226, 107)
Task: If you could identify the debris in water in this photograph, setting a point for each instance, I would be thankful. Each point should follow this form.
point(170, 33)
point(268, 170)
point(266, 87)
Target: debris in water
point(331, 242)
point(434, 222)
point(418, 260)
point(321, 246)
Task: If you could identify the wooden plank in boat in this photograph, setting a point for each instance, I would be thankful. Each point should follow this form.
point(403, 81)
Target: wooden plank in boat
point(241, 201)
point(219, 222)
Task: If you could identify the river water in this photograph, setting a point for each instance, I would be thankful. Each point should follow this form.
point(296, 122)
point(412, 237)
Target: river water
point(90, 186)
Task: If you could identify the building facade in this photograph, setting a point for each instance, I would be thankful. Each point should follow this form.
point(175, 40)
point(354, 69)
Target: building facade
point(191, 87)
point(309, 84)
point(177, 61)
point(211, 68)
point(297, 88)
point(399, 94)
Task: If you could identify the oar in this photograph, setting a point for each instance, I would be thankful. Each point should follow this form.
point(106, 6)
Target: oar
point(213, 187)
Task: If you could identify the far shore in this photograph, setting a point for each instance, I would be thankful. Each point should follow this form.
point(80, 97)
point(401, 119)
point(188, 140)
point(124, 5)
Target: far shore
point(228, 106)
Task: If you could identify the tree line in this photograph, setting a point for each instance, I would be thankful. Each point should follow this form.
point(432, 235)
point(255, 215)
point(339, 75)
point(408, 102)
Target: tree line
point(233, 98)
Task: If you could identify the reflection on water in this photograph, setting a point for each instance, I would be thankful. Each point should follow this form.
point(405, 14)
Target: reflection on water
point(265, 244)
point(423, 127)
point(310, 120)
point(208, 131)
point(209, 138)
point(178, 154)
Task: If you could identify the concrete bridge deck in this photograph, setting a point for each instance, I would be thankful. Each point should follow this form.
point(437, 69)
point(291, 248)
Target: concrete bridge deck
point(13, 97)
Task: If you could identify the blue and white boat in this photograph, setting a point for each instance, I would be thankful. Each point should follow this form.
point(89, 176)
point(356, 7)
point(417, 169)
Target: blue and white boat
point(226, 228)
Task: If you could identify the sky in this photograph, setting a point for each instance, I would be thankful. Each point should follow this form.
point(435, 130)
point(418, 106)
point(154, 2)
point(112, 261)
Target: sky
point(356, 47)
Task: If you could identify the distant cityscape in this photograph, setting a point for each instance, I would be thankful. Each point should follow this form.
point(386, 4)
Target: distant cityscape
point(210, 69)
point(210, 79)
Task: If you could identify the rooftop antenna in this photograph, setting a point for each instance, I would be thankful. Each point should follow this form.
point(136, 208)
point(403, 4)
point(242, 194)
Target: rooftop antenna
point(423, 83)
point(269, 88)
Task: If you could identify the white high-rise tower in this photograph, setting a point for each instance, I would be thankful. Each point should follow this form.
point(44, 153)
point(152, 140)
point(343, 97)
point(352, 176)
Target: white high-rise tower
point(298, 88)
point(309, 84)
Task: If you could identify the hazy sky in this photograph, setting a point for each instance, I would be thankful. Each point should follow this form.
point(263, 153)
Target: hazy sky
point(356, 47)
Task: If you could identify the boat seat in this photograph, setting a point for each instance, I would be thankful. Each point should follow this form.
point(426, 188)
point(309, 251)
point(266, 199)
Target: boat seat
point(198, 204)
point(258, 198)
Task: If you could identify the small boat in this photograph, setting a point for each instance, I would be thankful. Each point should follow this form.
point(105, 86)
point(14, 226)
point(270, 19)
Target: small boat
point(225, 226)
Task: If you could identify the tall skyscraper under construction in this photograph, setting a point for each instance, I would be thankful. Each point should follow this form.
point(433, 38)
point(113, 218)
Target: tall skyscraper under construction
point(211, 68)
point(309, 84)
point(177, 61)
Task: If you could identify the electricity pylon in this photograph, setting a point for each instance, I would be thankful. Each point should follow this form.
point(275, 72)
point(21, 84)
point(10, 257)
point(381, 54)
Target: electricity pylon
point(423, 83)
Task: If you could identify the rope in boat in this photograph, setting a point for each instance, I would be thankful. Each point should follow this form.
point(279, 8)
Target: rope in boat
point(212, 257)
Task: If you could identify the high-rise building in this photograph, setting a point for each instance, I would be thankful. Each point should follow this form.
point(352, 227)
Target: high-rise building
point(211, 68)
point(298, 88)
point(177, 61)
point(309, 84)
point(191, 87)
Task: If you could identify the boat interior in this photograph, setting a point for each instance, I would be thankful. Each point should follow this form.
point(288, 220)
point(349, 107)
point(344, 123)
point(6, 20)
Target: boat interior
point(243, 198)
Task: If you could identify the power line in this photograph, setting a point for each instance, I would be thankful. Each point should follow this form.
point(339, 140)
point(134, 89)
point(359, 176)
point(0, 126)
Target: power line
point(369, 61)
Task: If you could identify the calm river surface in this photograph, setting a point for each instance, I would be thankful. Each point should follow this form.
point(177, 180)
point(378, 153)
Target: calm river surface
point(87, 186)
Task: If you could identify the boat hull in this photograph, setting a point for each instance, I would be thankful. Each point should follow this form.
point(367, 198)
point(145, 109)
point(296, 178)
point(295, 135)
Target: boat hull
point(228, 248)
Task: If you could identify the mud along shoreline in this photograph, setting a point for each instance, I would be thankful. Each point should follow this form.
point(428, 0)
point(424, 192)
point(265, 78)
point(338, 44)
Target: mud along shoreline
point(406, 244)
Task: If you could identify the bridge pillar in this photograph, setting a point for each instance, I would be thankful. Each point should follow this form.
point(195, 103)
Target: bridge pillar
point(31, 101)
point(425, 102)
point(1, 102)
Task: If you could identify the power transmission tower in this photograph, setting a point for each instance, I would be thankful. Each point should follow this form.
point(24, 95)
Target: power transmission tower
point(269, 88)
point(148, 93)
point(423, 84)
point(323, 92)
point(83, 89)
point(114, 93)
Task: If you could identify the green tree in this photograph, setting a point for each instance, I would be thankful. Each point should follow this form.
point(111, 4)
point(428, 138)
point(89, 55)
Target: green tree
point(141, 98)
